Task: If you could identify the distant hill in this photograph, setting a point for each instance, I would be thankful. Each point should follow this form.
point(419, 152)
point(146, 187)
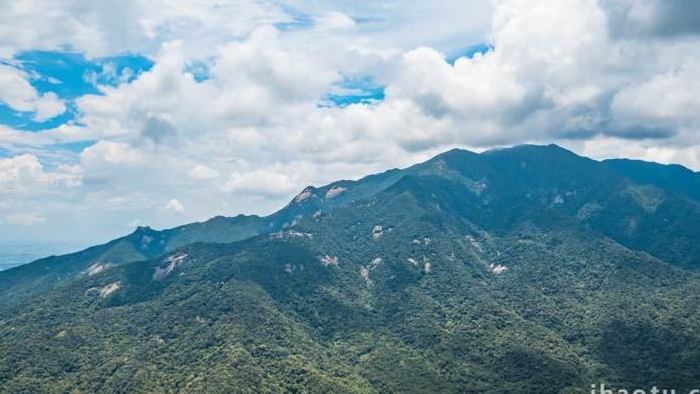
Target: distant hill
point(528, 269)
point(13, 254)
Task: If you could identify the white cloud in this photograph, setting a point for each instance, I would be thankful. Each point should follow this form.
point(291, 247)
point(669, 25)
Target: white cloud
point(18, 172)
point(175, 206)
point(604, 147)
point(202, 173)
point(24, 174)
point(17, 93)
point(252, 134)
point(333, 21)
point(107, 153)
point(102, 28)
point(29, 192)
point(650, 18)
point(556, 73)
point(25, 218)
point(668, 99)
point(276, 180)
point(407, 24)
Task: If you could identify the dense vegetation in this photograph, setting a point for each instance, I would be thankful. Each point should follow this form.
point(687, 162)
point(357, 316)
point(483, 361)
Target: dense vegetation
point(522, 270)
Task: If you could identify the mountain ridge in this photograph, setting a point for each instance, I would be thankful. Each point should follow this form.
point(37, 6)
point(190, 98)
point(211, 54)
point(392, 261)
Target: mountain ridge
point(528, 270)
point(470, 167)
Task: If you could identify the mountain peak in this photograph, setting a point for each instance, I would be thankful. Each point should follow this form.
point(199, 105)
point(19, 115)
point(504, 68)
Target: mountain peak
point(457, 151)
point(142, 229)
point(454, 153)
point(530, 148)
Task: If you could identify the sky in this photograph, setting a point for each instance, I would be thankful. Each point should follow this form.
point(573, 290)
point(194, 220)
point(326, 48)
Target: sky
point(160, 113)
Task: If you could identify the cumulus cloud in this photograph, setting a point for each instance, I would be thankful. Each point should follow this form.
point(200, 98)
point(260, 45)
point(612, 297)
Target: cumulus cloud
point(110, 154)
point(605, 147)
point(17, 93)
point(100, 28)
point(556, 72)
point(274, 180)
point(203, 173)
point(649, 18)
point(333, 21)
point(29, 192)
point(18, 172)
point(24, 174)
point(175, 206)
point(605, 78)
point(666, 100)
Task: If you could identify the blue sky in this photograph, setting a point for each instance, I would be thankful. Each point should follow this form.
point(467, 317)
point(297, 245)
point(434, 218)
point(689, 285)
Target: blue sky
point(161, 113)
point(69, 75)
point(73, 165)
point(354, 90)
point(469, 51)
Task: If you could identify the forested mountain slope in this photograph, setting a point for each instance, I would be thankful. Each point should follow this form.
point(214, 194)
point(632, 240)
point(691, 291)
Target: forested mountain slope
point(528, 269)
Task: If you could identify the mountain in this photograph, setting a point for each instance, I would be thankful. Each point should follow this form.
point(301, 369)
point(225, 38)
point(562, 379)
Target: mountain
point(527, 269)
point(146, 243)
point(674, 178)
